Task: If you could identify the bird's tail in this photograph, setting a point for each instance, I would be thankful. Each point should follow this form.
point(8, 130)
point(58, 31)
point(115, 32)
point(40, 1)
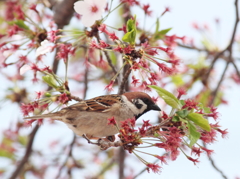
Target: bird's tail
point(49, 115)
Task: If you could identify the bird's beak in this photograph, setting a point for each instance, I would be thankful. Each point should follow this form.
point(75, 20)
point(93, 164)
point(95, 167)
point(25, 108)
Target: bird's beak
point(155, 107)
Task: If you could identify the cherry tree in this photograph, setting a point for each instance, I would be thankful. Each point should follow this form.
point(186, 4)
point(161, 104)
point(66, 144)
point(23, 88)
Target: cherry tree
point(56, 53)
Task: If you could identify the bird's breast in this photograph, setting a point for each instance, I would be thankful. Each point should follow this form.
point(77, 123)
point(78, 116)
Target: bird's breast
point(95, 124)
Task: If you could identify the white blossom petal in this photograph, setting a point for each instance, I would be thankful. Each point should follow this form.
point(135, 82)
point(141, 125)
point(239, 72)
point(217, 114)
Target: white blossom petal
point(85, 9)
point(81, 7)
point(24, 69)
point(88, 22)
point(103, 3)
point(45, 47)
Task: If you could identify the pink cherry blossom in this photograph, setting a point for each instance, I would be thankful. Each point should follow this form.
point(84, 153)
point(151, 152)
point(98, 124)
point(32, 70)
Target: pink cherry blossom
point(45, 47)
point(24, 69)
point(91, 10)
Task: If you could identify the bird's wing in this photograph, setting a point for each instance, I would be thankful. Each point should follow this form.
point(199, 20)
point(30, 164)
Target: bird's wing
point(97, 104)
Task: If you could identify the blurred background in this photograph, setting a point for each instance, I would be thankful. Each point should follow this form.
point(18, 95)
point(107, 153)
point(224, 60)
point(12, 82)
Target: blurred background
point(207, 25)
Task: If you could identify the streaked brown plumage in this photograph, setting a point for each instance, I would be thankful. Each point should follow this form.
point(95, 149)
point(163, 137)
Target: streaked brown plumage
point(90, 117)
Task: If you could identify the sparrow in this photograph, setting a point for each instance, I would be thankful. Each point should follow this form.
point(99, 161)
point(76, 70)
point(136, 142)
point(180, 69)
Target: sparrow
point(90, 117)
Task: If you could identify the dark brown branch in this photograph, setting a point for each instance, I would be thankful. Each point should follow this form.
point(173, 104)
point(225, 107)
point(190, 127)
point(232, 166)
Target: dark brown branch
point(86, 78)
point(27, 153)
point(121, 160)
point(235, 26)
point(62, 16)
point(214, 93)
point(206, 76)
point(122, 153)
point(63, 12)
point(124, 81)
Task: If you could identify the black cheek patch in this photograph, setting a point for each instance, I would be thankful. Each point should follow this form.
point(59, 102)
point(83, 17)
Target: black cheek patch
point(138, 105)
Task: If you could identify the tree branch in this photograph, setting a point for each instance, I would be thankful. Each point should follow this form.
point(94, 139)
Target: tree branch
point(27, 153)
point(230, 59)
point(124, 80)
point(107, 56)
point(69, 155)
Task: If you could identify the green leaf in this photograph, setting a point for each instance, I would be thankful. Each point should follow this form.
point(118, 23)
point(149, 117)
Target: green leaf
point(130, 36)
point(177, 80)
point(182, 102)
point(175, 119)
point(162, 33)
point(6, 154)
point(194, 135)
point(168, 97)
point(113, 57)
point(21, 24)
point(183, 113)
point(22, 140)
point(49, 79)
point(199, 120)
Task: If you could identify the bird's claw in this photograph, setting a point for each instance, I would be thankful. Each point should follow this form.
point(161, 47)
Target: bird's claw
point(104, 144)
point(89, 141)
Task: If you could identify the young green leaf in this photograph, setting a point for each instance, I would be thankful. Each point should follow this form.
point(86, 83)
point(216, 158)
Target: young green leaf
point(7, 154)
point(49, 79)
point(130, 36)
point(194, 135)
point(183, 113)
point(168, 97)
point(21, 24)
point(162, 33)
point(199, 120)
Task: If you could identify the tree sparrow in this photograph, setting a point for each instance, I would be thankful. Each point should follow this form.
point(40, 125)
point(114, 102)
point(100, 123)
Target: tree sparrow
point(90, 117)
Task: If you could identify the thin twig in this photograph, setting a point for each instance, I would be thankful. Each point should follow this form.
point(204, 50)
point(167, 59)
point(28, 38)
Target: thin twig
point(107, 56)
point(105, 168)
point(230, 59)
point(192, 48)
point(143, 170)
point(68, 156)
point(236, 68)
point(75, 98)
point(214, 93)
point(214, 165)
point(206, 76)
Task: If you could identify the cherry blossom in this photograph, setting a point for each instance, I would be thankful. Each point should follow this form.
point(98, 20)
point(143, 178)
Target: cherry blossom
point(24, 69)
point(91, 10)
point(45, 47)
